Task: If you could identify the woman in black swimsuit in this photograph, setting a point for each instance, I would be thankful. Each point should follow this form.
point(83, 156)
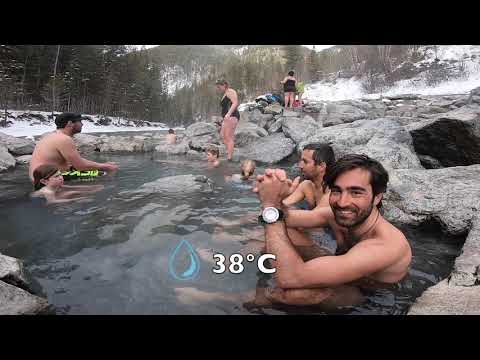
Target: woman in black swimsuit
point(230, 114)
point(289, 87)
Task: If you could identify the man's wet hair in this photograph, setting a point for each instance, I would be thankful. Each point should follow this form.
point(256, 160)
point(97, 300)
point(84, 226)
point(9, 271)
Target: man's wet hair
point(291, 73)
point(213, 150)
point(62, 120)
point(171, 131)
point(322, 153)
point(378, 174)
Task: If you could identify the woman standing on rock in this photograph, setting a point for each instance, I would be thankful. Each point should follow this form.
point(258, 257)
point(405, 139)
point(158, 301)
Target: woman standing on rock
point(289, 88)
point(230, 114)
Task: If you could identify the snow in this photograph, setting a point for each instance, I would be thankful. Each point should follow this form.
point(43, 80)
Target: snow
point(469, 55)
point(25, 127)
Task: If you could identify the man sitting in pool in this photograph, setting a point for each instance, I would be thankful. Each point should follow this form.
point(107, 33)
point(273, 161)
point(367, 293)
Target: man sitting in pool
point(314, 162)
point(58, 149)
point(171, 137)
point(370, 250)
point(48, 183)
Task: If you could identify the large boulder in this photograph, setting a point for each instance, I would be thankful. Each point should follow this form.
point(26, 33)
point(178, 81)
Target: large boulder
point(87, 143)
point(403, 97)
point(17, 146)
point(7, 161)
point(448, 299)
point(200, 129)
point(341, 114)
point(201, 134)
point(24, 159)
point(270, 149)
point(173, 149)
point(258, 118)
point(453, 138)
point(391, 154)
point(276, 125)
point(474, 97)
point(448, 196)
point(12, 272)
point(124, 144)
point(466, 271)
point(15, 301)
point(313, 107)
point(291, 113)
point(300, 129)
point(383, 139)
point(247, 133)
point(200, 143)
point(180, 184)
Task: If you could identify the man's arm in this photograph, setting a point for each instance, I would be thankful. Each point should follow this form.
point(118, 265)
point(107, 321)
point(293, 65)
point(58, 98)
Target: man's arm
point(365, 258)
point(318, 217)
point(70, 153)
point(297, 196)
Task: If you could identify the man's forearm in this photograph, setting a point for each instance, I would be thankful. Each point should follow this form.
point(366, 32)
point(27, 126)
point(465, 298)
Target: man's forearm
point(279, 244)
point(88, 165)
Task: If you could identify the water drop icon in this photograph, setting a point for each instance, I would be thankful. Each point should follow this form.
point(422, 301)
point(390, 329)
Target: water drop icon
point(184, 253)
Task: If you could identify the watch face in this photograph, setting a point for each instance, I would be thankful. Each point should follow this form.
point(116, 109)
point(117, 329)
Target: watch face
point(270, 215)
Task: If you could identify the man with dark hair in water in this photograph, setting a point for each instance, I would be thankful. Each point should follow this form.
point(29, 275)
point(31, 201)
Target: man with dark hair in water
point(171, 137)
point(371, 252)
point(58, 149)
point(314, 162)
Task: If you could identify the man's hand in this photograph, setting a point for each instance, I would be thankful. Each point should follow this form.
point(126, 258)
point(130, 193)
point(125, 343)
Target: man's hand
point(110, 167)
point(274, 186)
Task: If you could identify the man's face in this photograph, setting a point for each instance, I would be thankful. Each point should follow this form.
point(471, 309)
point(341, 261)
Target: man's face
point(351, 198)
point(77, 127)
point(307, 165)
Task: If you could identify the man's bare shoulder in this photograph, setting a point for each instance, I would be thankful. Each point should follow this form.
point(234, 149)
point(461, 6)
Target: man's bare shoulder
point(56, 138)
point(389, 238)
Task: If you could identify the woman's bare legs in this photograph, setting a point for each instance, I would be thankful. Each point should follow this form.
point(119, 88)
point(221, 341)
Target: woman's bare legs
point(228, 134)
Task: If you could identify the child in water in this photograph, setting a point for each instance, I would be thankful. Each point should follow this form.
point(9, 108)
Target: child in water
point(247, 169)
point(212, 156)
point(48, 183)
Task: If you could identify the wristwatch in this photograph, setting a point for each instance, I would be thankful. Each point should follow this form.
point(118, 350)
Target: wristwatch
point(270, 215)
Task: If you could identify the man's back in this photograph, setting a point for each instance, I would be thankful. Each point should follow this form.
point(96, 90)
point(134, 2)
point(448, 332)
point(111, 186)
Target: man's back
point(171, 138)
point(47, 151)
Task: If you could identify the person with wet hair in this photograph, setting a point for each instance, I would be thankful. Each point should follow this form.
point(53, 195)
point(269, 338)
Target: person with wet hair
point(212, 156)
point(171, 137)
point(316, 158)
point(48, 184)
point(247, 169)
point(370, 250)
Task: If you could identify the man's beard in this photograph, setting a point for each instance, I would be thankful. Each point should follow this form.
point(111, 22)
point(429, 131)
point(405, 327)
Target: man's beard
point(76, 131)
point(359, 216)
